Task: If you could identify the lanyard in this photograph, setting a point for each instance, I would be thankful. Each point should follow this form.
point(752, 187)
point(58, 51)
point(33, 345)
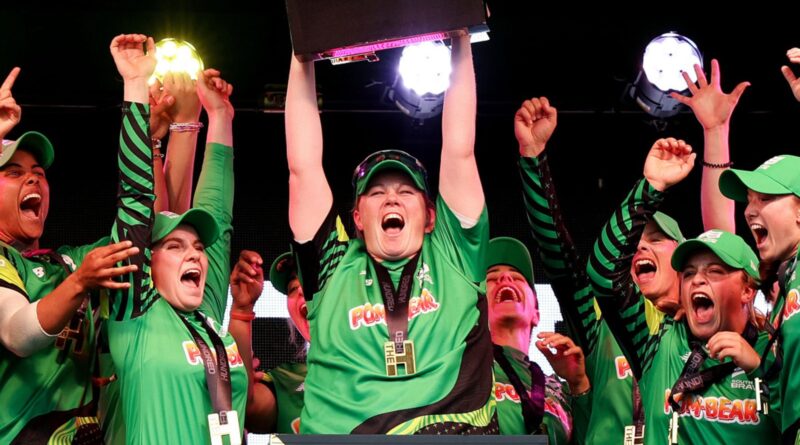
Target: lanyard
point(692, 380)
point(218, 375)
point(399, 349)
point(533, 403)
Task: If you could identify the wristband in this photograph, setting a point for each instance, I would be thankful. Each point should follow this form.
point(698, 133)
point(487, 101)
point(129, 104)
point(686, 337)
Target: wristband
point(182, 127)
point(243, 316)
point(713, 165)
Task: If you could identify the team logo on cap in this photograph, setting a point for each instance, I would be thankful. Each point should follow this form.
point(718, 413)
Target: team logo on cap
point(770, 162)
point(712, 236)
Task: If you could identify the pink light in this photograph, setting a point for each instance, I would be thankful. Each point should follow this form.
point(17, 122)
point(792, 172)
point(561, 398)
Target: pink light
point(387, 44)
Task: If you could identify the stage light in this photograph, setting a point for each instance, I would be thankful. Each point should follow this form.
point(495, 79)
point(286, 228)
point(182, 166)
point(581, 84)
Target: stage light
point(176, 56)
point(423, 75)
point(665, 57)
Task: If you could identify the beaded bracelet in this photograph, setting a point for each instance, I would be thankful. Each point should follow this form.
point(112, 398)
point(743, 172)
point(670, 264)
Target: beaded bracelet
point(181, 127)
point(713, 165)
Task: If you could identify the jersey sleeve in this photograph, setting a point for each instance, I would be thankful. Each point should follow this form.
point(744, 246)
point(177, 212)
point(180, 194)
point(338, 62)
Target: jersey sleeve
point(317, 259)
point(134, 217)
point(9, 276)
point(214, 193)
point(466, 248)
point(557, 252)
point(630, 316)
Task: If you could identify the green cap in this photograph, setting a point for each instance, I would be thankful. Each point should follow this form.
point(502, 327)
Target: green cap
point(779, 175)
point(202, 221)
point(281, 272)
point(669, 226)
point(389, 160)
point(511, 252)
point(34, 142)
point(730, 248)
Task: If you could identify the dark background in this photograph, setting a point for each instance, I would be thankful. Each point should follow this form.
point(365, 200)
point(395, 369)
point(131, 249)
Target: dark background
point(580, 58)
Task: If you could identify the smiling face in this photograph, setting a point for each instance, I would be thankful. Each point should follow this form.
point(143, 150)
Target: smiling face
point(774, 221)
point(393, 216)
point(511, 298)
point(24, 199)
point(179, 268)
point(651, 268)
point(715, 296)
point(296, 305)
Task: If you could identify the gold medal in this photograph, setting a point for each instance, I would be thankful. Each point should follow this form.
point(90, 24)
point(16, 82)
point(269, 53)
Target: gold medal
point(399, 353)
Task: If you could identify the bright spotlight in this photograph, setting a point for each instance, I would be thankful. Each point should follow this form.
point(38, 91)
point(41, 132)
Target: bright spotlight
point(425, 68)
point(665, 57)
point(176, 56)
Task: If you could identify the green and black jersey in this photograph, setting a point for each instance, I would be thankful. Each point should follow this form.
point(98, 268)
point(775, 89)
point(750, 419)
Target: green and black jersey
point(658, 347)
point(785, 316)
point(287, 383)
point(160, 368)
point(348, 388)
point(557, 418)
point(610, 403)
point(52, 379)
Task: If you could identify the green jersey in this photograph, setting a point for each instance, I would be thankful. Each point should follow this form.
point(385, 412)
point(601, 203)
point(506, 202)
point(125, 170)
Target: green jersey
point(214, 192)
point(159, 367)
point(556, 421)
point(785, 315)
point(351, 386)
point(287, 383)
point(52, 379)
point(610, 405)
point(658, 347)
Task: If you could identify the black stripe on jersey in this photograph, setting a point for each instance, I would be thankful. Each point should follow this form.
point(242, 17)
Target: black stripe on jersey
point(15, 288)
point(138, 131)
point(134, 171)
point(471, 391)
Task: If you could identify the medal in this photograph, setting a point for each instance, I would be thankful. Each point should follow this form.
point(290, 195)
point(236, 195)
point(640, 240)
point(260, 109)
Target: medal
point(399, 353)
point(224, 423)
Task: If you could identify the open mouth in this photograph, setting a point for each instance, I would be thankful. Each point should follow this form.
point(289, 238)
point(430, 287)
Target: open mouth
point(31, 205)
point(392, 223)
point(507, 293)
point(645, 270)
point(304, 310)
point(191, 278)
point(703, 307)
point(759, 233)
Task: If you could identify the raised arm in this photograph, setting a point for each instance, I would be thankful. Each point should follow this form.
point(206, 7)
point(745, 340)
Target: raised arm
point(215, 187)
point(182, 145)
point(624, 307)
point(794, 83)
point(459, 182)
point(534, 124)
point(10, 112)
point(713, 109)
point(310, 196)
point(134, 55)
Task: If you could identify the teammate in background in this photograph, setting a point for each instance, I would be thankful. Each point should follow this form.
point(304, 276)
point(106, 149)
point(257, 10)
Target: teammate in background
point(611, 401)
point(700, 398)
point(48, 298)
point(528, 402)
point(275, 404)
point(415, 265)
point(772, 194)
point(160, 333)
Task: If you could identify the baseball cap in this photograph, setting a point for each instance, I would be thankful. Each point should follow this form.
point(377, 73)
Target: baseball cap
point(34, 142)
point(730, 248)
point(202, 221)
point(282, 271)
point(389, 160)
point(511, 252)
point(669, 226)
point(779, 175)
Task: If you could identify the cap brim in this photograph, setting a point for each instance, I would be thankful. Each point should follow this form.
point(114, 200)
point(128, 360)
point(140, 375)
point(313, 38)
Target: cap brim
point(280, 278)
point(201, 220)
point(669, 226)
point(388, 164)
point(511, 252)
point(34, 142)
point(687, 248)
point(735, 183)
